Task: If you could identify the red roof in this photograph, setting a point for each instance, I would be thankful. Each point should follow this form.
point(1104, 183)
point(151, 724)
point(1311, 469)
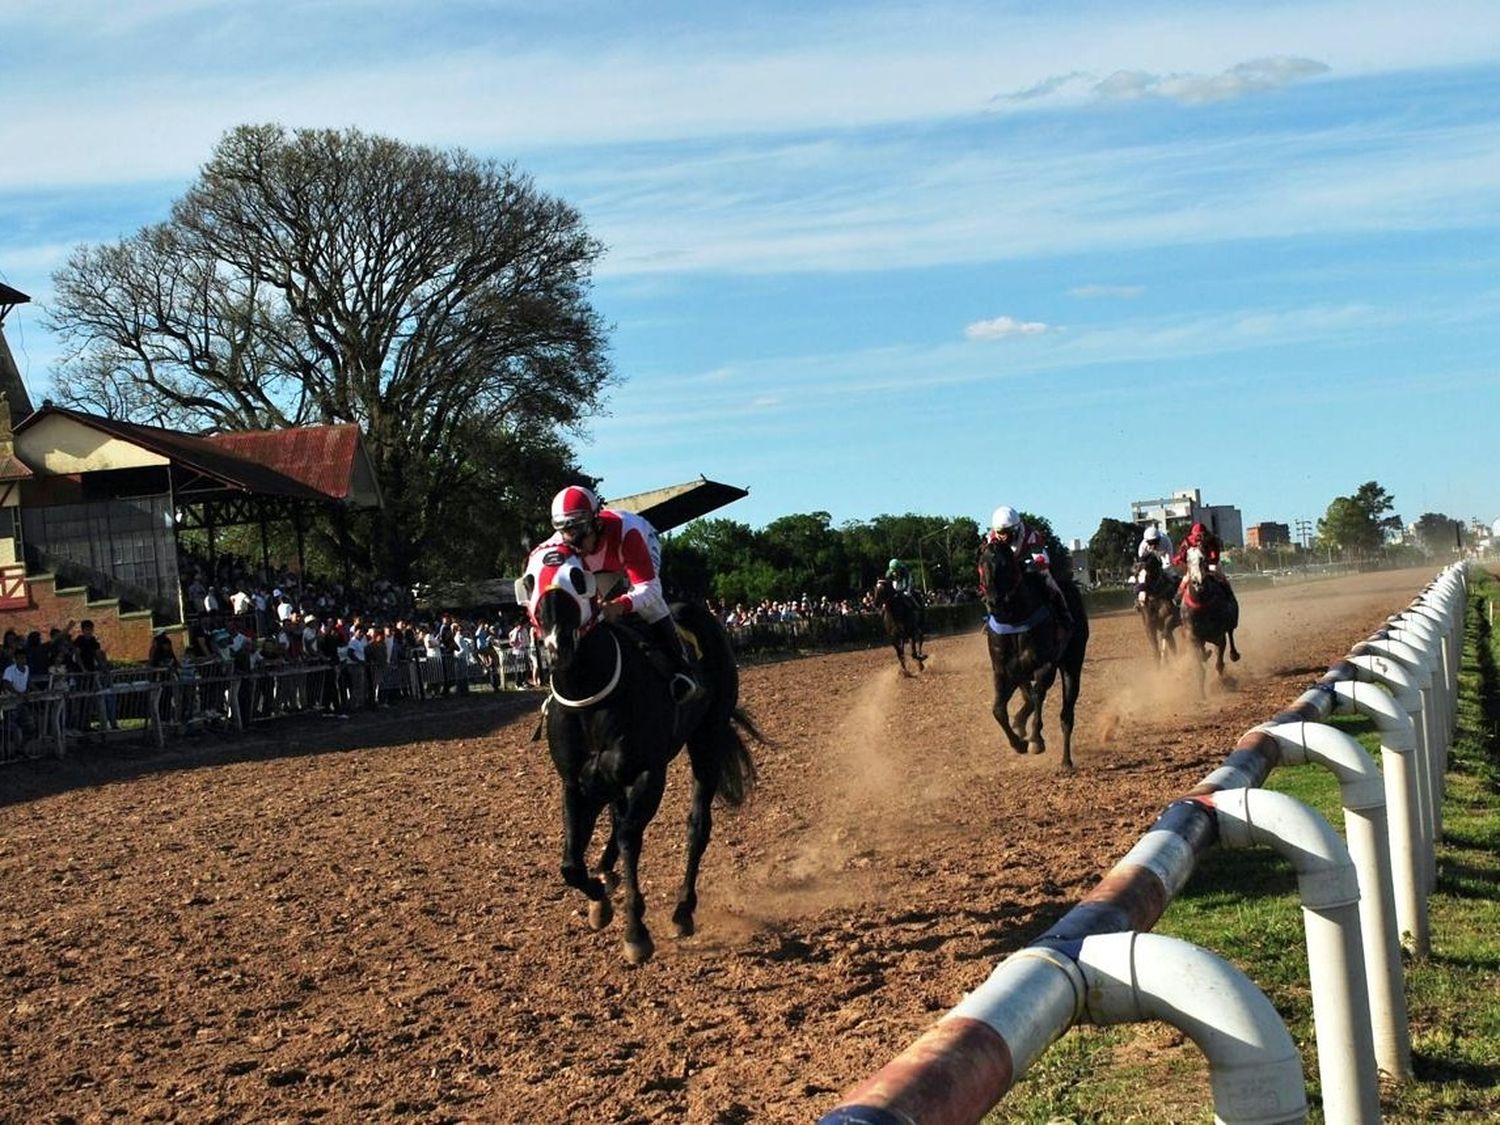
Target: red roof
point(321, 457)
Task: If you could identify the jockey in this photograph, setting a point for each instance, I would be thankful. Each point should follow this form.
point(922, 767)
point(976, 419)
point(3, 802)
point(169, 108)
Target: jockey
point(1030, 549)
point(899, 576)
point(1206, 541)
point(623, 544)
point(1212, 547)
point(1154, 542)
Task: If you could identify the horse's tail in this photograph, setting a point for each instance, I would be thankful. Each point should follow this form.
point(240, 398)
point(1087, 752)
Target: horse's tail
point(719, 732)
point(737, 768)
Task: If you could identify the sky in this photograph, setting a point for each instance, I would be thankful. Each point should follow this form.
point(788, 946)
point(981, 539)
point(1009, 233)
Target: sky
point(871, 258)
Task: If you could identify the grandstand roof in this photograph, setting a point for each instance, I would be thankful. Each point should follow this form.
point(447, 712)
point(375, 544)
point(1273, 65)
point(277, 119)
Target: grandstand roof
point(319, 465)
point(677, 504)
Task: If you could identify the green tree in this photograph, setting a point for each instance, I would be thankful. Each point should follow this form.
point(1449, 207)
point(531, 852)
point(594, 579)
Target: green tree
point(1439, 534)
point(1376, 502)
point(1112, 549)
point(807, 553)
point(438, 300)
point(1348, 526)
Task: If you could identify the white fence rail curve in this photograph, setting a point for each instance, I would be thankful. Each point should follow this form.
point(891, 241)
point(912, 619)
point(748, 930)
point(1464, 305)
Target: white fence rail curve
point(963, 1065)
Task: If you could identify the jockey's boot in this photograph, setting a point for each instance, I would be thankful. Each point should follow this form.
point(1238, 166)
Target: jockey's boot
point(685, 686)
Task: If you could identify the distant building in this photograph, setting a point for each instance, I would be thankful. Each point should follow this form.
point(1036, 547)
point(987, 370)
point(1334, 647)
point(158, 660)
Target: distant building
point(1268, 535)
point(1184, 508)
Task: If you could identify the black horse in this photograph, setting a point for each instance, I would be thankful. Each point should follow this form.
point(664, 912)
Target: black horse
point(1210, 615)
point(613, 729)
point(1028, 648)
point(1157, 606)
point(903, 622)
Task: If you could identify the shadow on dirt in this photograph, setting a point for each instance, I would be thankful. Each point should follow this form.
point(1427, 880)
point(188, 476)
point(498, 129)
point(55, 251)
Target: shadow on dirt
point(450, 720)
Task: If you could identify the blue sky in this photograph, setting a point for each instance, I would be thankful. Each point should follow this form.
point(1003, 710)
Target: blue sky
point(873, 258)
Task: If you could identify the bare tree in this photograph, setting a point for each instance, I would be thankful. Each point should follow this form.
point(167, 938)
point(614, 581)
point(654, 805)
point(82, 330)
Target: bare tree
point(438, 300)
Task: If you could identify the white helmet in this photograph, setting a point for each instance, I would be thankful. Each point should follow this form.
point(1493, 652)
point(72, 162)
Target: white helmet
point(1153, 533)
point(1005, 517)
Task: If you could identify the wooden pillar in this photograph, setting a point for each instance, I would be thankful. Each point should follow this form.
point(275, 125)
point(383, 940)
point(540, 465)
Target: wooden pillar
point(301, 549)
point(265, 544)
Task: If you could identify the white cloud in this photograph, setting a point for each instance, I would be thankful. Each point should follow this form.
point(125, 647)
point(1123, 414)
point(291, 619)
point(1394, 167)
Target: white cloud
point(1254, 77)
point(1002, 326)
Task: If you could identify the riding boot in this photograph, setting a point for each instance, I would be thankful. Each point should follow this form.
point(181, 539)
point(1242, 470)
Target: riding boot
point(685, 685)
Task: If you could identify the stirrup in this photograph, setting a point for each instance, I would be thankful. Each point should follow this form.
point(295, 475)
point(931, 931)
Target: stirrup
point(686, 689)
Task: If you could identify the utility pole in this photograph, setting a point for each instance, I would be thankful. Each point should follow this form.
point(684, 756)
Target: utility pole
point(1304, 532)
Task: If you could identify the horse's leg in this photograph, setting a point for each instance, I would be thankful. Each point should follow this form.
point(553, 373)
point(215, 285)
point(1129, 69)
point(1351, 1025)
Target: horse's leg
point(1234, 653)
point(642, 799)
point(579, 817)
point(1219, 659)
point(607, 862)
point(699, 827)
point(1001, 710)
point(901, 655)
point(1148, 622)
point(1071, 681)
point(1039, 688)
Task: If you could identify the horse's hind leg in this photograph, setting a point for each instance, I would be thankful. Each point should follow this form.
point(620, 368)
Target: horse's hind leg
point(901, 656)
point(699, 827)
point(1234, 653)
point(579, 817)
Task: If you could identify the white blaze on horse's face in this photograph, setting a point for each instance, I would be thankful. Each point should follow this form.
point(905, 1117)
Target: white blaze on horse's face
point(1195, 565)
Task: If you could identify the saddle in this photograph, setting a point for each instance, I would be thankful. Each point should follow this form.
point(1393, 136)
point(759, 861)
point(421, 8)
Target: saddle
point(633, 629)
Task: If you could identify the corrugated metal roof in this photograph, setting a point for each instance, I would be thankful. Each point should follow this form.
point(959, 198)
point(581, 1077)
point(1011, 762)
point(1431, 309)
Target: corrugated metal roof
point(13, 468)
point(197, 453)
point(321, 457)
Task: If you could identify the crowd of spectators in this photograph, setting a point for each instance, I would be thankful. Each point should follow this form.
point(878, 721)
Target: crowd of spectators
point(769, 611)
point(65, 659)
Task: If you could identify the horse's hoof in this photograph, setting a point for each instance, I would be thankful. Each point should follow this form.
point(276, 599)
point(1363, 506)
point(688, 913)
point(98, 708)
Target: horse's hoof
point(1018, 747)
point(1234, 656)
point(684, 926)
point(611, 880)
point(601, 913)
point(1038, 747)
point(639, 952)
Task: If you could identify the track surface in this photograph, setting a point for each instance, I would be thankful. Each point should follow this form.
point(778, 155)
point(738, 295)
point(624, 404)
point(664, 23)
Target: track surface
point(364, 920)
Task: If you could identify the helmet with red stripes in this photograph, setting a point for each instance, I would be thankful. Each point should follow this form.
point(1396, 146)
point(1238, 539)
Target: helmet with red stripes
point(574, 508)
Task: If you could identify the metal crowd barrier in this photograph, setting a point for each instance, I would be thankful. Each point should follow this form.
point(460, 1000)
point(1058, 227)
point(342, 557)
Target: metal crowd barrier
point(147, 705)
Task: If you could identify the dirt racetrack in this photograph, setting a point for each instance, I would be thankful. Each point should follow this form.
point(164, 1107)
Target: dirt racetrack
point(363, 920)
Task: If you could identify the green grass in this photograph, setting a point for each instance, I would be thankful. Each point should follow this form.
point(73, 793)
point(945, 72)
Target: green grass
point(1243, 905)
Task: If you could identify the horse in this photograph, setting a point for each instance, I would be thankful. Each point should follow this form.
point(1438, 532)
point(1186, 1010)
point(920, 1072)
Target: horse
point(903, 622)
point(1210, 616)
point(613, 728)
point(1157, 606)
point(1025, 648)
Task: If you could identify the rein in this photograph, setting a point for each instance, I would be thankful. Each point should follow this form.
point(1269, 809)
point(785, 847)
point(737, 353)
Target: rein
point(602, 693)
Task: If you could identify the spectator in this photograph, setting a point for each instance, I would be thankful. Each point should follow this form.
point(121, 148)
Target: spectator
point(165, 669)
point(16, 681)
point(90, 660)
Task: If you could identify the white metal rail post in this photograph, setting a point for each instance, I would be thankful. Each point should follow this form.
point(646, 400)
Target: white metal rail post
point(1329, 889)
point(1362, 793)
